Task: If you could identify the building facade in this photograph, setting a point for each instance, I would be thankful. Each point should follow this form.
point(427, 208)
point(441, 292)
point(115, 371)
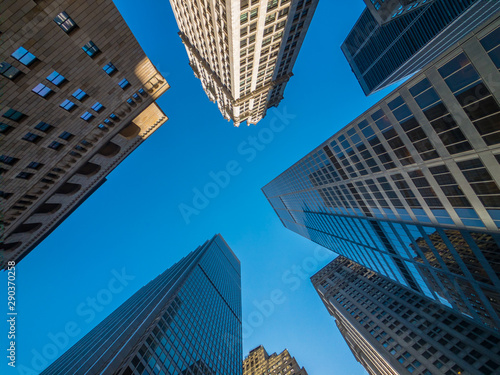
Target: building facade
point(384, 11)
point(78, 96)
point(185, 321)
point(410, 189)
point(259, 362)
point(381, 55)
point(391, 330)
point(243, 52)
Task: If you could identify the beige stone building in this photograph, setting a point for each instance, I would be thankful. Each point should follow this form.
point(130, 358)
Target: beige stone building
point(259, 362)
point(78, 96)
point(243, 51)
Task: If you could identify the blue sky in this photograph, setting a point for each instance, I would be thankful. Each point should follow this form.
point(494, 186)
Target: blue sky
point(133, 227)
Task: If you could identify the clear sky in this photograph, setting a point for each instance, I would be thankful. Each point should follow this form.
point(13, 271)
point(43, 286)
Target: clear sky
point(133, 226)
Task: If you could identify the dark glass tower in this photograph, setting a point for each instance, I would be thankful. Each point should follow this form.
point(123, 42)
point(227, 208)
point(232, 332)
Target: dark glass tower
point(185, 321)
point(410, 189)
point(392, 330)
point(380, 55)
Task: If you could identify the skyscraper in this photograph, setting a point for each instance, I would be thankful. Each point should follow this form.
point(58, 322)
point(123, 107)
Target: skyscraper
point(259, 362)
point(410, 189)
point(185, 321)
point(392, 330)
point(380, 55)
point(388, 10)
point(78, 96)
point(243, 52)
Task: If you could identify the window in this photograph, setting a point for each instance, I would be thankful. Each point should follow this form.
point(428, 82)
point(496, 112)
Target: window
point(34, 165)
point(4, 128)
point(113, 117)
point(85, 142)
point(41, 90)
point(130, 101)
point(65, 22)
point(55, 145)
point(142, 92)
point(102, 127)
point(79, 94)
point(23, 56)
point(9, 160)
point(31, 137)
point(65, 135)
point(14, 115)
point(24, 175)
point(56, 78)
point(108, 121)
point(5, 195)
point(9, 71)
point(124, 84)
point(87, 116)
point(91, 49)
point(43, 126)
point(135, 96)
point(67, 105)
point(97, 107)
point(109, 68)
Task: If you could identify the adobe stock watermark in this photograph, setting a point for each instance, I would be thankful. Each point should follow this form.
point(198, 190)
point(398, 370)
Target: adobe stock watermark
point(292, 279)
point(58, 342)
point(248, 149)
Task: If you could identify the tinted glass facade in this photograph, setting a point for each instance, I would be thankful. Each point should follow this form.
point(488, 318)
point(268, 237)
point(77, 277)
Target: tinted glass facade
point(380, 55)
point(410, 189)
point(186, 321)
point(392, 330)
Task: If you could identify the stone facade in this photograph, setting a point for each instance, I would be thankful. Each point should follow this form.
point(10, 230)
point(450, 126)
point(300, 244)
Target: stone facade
point(243, 52)
point(259, 362)
point(78, 97)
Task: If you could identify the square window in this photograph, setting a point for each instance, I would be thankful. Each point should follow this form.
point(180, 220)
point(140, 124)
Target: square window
point(4, 128)
point(90, 49)
point(87, 116)
point(55, 145)
point(65, 135)
point(124, 83)
point(24, 56)
point(34, 165)
point(9, 160)
point(79, 94)
point(109, 68)
point(14, 115)
point(97, 107)
point(56, 78)
point(65, 22)
point(8, 70)
point(31, 137)
point(41, 90)
point(67, 105)
point(43, 126)
point(24, 175)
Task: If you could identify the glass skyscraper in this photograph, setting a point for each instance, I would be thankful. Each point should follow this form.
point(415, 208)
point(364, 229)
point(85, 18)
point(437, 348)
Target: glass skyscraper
point(185, 321)
point(380, 55)
point(410, 189)
point(392, 330)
